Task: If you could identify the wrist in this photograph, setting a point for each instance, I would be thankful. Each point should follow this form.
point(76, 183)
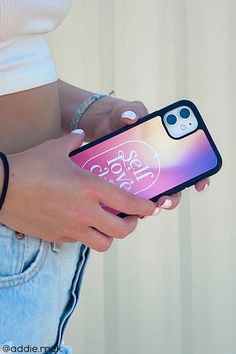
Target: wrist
point(101, 110)
point(1, 176)
point(4, 178)
point(83, 108)
point(70, 98)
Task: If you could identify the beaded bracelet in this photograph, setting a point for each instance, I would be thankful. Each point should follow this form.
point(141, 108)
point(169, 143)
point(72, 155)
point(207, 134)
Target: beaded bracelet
point(82, 108)
point(5, 180)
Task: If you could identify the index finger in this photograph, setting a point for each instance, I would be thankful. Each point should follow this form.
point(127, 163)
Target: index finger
point(124, 201)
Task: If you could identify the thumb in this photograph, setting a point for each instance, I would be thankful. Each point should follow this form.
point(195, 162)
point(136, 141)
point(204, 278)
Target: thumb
point(73, 140)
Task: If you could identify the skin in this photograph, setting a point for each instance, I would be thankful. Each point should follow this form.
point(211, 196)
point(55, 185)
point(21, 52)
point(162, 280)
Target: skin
point(49, 196)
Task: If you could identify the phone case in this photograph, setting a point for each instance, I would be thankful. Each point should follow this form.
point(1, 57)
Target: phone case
point(146, 160)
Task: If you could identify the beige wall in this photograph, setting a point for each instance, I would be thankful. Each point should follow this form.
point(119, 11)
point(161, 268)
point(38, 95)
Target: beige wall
point(170, 288)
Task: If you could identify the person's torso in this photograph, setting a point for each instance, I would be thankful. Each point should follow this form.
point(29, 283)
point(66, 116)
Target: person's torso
point(29, 107)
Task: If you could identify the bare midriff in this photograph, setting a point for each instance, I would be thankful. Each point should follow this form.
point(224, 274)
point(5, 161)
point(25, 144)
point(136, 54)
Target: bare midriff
point(28, 118)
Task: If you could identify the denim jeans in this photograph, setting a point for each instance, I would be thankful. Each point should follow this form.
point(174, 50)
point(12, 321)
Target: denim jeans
point(39, 290)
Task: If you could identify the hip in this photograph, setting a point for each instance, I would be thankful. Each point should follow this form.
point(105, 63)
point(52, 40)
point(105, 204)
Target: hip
point(39, 289)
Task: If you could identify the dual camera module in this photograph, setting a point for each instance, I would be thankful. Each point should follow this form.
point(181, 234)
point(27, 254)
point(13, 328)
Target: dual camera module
point(184, 113)
point(180, 122)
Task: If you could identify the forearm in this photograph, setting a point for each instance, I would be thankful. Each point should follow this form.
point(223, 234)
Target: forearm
point(29, 117)
point(70, 99)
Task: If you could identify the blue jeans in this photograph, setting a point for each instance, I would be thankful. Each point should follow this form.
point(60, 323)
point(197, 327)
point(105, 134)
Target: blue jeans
point(39, 290)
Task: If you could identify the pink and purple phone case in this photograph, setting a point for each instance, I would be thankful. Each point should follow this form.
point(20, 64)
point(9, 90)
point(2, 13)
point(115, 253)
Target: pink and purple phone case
point(145, 160)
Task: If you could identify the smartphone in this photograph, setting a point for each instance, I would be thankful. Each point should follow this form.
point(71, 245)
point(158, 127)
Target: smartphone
point(163, 153)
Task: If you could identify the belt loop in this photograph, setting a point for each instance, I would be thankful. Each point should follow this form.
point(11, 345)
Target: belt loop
point(56, 246)
point(19, 235)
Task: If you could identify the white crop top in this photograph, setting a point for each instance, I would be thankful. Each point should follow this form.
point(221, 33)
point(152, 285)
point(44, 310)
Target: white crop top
point(25, 59)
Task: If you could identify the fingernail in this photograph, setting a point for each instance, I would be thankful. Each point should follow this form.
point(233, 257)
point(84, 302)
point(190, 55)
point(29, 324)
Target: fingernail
point(167, 204)
point(205, 188)
point(156, 212)
point(78, 131)
point(129, 114)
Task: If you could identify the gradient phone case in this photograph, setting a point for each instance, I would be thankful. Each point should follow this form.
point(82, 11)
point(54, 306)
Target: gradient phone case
point(144, 159)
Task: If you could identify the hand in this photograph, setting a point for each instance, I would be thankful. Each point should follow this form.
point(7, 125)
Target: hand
point(127, 113)
point(51, 198)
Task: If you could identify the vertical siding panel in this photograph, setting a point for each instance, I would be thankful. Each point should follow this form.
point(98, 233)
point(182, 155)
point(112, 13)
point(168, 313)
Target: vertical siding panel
point(211, 226)
point(149, 288)
point(170, 287)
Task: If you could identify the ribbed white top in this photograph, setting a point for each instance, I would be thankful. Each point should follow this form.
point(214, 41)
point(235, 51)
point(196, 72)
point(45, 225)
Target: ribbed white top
point(25, 59)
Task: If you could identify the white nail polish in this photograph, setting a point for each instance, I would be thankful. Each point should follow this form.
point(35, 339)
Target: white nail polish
point(168, 203)
point(78, 131)
point(156, 212)
point(205, 188)
point(130, 115)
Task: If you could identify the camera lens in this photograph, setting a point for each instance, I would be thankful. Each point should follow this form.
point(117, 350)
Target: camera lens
point(171, 119)
point(184, 113)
